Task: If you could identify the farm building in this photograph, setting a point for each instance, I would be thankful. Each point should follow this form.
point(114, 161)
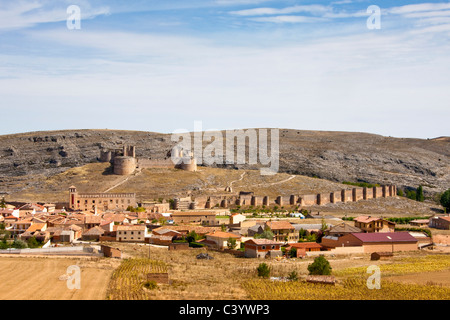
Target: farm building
point(374, 241)
point(303, 247)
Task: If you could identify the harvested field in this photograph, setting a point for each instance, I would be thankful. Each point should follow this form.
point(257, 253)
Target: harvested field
point(30, 278)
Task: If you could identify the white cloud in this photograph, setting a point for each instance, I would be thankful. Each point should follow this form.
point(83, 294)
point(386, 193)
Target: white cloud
point(287, 19)
point(24, 14)
point(314, 9)
point(419, 8)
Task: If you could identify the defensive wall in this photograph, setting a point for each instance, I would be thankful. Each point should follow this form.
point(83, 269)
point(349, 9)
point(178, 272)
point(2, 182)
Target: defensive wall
point(246, 200)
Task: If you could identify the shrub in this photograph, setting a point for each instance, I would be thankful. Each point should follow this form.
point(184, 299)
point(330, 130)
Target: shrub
point(293, 276)
point(150, 285)
point(263, 270)
point(196, 245)
point(320, 266)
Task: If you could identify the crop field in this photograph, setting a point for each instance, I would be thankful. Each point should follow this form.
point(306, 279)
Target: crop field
point(404, 266)
point(350, 289)
point(127, 281)
point(45, 278)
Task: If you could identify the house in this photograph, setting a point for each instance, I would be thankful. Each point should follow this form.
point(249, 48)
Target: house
point(303, 247)
point(91, 221)
point(440, 222)
point(283, 231)
point(160, 239)
point(37, 227)
point(375, 241)
point(219, 239)
point(204, 218)
point(167, 232)
point(9, 212)
point(262, 248)
point(420, 222)
point(236, 218)
point(93, 234)
point(374, 224)
point(20, 226)
point(256, 229)
point(341, 230)
point(41, 236)
point(131, 233)
point(107, 225)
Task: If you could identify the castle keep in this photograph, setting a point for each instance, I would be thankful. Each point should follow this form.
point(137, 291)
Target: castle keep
point(125, 162)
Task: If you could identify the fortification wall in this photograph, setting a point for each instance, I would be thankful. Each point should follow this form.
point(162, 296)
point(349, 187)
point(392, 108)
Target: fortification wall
point(344, 195)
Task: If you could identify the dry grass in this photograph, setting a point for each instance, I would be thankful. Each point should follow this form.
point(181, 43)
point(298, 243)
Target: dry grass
point(29, 278)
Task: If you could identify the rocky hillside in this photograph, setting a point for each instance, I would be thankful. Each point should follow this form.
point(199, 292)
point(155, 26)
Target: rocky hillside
point(336, 156)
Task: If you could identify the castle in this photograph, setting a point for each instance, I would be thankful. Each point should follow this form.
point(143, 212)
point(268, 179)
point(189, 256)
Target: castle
point(125, 162)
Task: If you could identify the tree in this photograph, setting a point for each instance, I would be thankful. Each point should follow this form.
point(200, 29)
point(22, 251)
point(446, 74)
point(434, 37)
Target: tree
point(231, 243)
point(266, 234)
point(419, 194)
point(3, 203)
point(293, 252)
point(410, 194)
point(33, 243)
point(263, 270)
point(192, 236)
point(445, 200)
point(320, 266)
point(19, 244)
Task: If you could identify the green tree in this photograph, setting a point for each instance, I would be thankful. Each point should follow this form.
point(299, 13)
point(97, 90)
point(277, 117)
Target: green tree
point(33, 243)
point(231, 243)
point(410, 194)
point(445, 200)
point(320, 266)
point(192, 236)
point(419, 194)
point(263, 270)
point(302, 233)
point(266, 234)
point(400, 192)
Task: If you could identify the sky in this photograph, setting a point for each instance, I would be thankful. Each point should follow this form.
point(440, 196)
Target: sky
point(161, 66)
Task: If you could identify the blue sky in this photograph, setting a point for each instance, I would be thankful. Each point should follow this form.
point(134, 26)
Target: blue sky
point(161, 65)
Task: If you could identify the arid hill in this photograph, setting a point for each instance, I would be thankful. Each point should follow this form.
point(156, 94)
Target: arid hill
point(28, 158)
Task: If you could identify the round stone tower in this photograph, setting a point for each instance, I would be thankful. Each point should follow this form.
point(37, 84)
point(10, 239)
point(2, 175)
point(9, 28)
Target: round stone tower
point(124, 165)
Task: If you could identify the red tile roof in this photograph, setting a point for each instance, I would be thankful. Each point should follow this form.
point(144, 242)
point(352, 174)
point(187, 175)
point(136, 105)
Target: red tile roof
point(385, 237)
point(280, 225)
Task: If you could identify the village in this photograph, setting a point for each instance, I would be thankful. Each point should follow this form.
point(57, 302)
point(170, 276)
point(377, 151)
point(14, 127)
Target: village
point(34, 227)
